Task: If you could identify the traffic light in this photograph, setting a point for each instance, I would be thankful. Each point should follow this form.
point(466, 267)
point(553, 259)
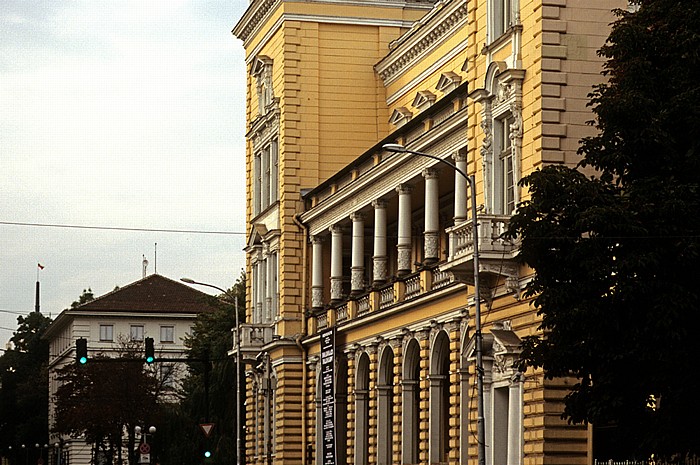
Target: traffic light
point(81, 353)
point(207, 454)
point(150, 353)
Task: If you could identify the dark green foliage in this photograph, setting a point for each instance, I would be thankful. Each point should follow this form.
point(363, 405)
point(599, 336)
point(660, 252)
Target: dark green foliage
point(24, 385)
point(616, 256)
point(106, 397)
point(211, 338)
point(85, 297)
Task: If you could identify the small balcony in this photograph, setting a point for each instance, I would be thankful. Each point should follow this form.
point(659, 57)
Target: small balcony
point(496, 254)
point(253, 338)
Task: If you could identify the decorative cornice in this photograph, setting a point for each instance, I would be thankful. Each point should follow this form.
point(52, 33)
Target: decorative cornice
point(424, 36)
point(253, 17)
point(257, 13)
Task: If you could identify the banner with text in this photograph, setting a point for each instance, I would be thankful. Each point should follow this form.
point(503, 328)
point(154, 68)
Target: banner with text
point(328, 395)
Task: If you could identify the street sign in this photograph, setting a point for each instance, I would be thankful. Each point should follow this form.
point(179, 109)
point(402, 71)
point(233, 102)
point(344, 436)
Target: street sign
point(206, 428)
point(145, 448)
point(145, 458)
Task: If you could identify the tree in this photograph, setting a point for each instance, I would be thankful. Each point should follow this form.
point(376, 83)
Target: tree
point(615, 254)
point(106, 397)
point(24, 384)
point(85, 297)
point(211, 339)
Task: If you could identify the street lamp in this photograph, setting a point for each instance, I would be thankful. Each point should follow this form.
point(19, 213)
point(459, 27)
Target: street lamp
point(480, 434)
point(238, 361)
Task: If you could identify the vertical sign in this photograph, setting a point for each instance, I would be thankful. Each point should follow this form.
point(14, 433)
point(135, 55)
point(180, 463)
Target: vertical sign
point(328, 395)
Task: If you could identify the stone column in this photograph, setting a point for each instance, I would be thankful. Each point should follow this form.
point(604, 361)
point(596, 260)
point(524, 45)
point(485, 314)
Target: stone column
point(431, 250)
point(403, 246)
point(460, 158)
point(357, 271)
point(379, 259)
point(336, 263)
point(317, 272)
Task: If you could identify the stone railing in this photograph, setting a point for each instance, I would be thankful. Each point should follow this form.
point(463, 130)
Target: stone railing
point(386, 297)
point(254, 336)
point(412, 286)
point(322, 320)
point(404, 289)
point(441, 278)
point(342, 312)
point(363, 306)
point(491, 229)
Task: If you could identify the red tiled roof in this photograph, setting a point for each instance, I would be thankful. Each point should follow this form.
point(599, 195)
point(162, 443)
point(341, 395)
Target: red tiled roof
point(154, 293)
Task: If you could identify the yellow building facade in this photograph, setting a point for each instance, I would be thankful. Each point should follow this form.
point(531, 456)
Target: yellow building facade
point(345, 234)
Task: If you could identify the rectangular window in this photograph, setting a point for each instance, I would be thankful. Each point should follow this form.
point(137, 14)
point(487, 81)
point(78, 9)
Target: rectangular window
point(167, 334)
point(257, 184)
point(265, 189)
point(167, 375)
point(265, 182)
point(274, 170)
point(502, 17)
point(504, 182)
point(136, 332)
point(107, 333)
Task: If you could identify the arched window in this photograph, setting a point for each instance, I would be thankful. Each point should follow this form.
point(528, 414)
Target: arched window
point(385, 406)
point(440, 399)
point(362, 411)
point(410, 395)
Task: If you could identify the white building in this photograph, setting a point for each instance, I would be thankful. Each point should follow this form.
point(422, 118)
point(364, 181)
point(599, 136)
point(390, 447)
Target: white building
point(154, 306)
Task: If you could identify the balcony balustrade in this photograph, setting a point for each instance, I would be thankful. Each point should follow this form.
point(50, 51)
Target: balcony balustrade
point(254, 337)
point(493, 248)
point(496, 260)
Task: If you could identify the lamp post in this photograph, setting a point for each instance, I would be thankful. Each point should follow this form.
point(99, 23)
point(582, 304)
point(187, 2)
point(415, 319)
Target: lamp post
point(480, 433)
point(238, 361)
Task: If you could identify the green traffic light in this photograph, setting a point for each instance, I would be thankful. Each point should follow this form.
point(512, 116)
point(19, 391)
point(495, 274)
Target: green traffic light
point(83, 360)
point(150, 351)
point(207, 454)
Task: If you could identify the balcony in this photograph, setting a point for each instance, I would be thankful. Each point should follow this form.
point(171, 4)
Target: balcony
point(253, 338)
point(496, 254)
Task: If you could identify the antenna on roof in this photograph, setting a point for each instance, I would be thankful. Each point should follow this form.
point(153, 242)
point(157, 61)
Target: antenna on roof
point(145, 266)
point(155, 258)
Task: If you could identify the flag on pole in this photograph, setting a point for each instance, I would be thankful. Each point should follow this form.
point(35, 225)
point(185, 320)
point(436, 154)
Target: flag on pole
point(41, 267)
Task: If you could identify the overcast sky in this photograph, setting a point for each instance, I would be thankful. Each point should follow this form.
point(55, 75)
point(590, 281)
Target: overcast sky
point(118, 114)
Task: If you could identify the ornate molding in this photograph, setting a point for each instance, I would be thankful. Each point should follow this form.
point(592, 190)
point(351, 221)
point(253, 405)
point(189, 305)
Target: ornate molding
point(252, 18)
point(424, 36)
point(379, 268)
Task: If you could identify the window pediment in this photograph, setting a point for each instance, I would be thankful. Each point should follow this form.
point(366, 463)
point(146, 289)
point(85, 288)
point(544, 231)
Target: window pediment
point(423, 100)
point(400, 116)
point(448, 82)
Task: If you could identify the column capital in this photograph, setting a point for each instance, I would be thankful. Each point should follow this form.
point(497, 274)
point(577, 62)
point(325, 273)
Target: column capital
point(403, 189)
point(336, 229)
point(430, 173)
point(379, 203)
point(459, 155)
point(357, 216)
point(316, 239)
